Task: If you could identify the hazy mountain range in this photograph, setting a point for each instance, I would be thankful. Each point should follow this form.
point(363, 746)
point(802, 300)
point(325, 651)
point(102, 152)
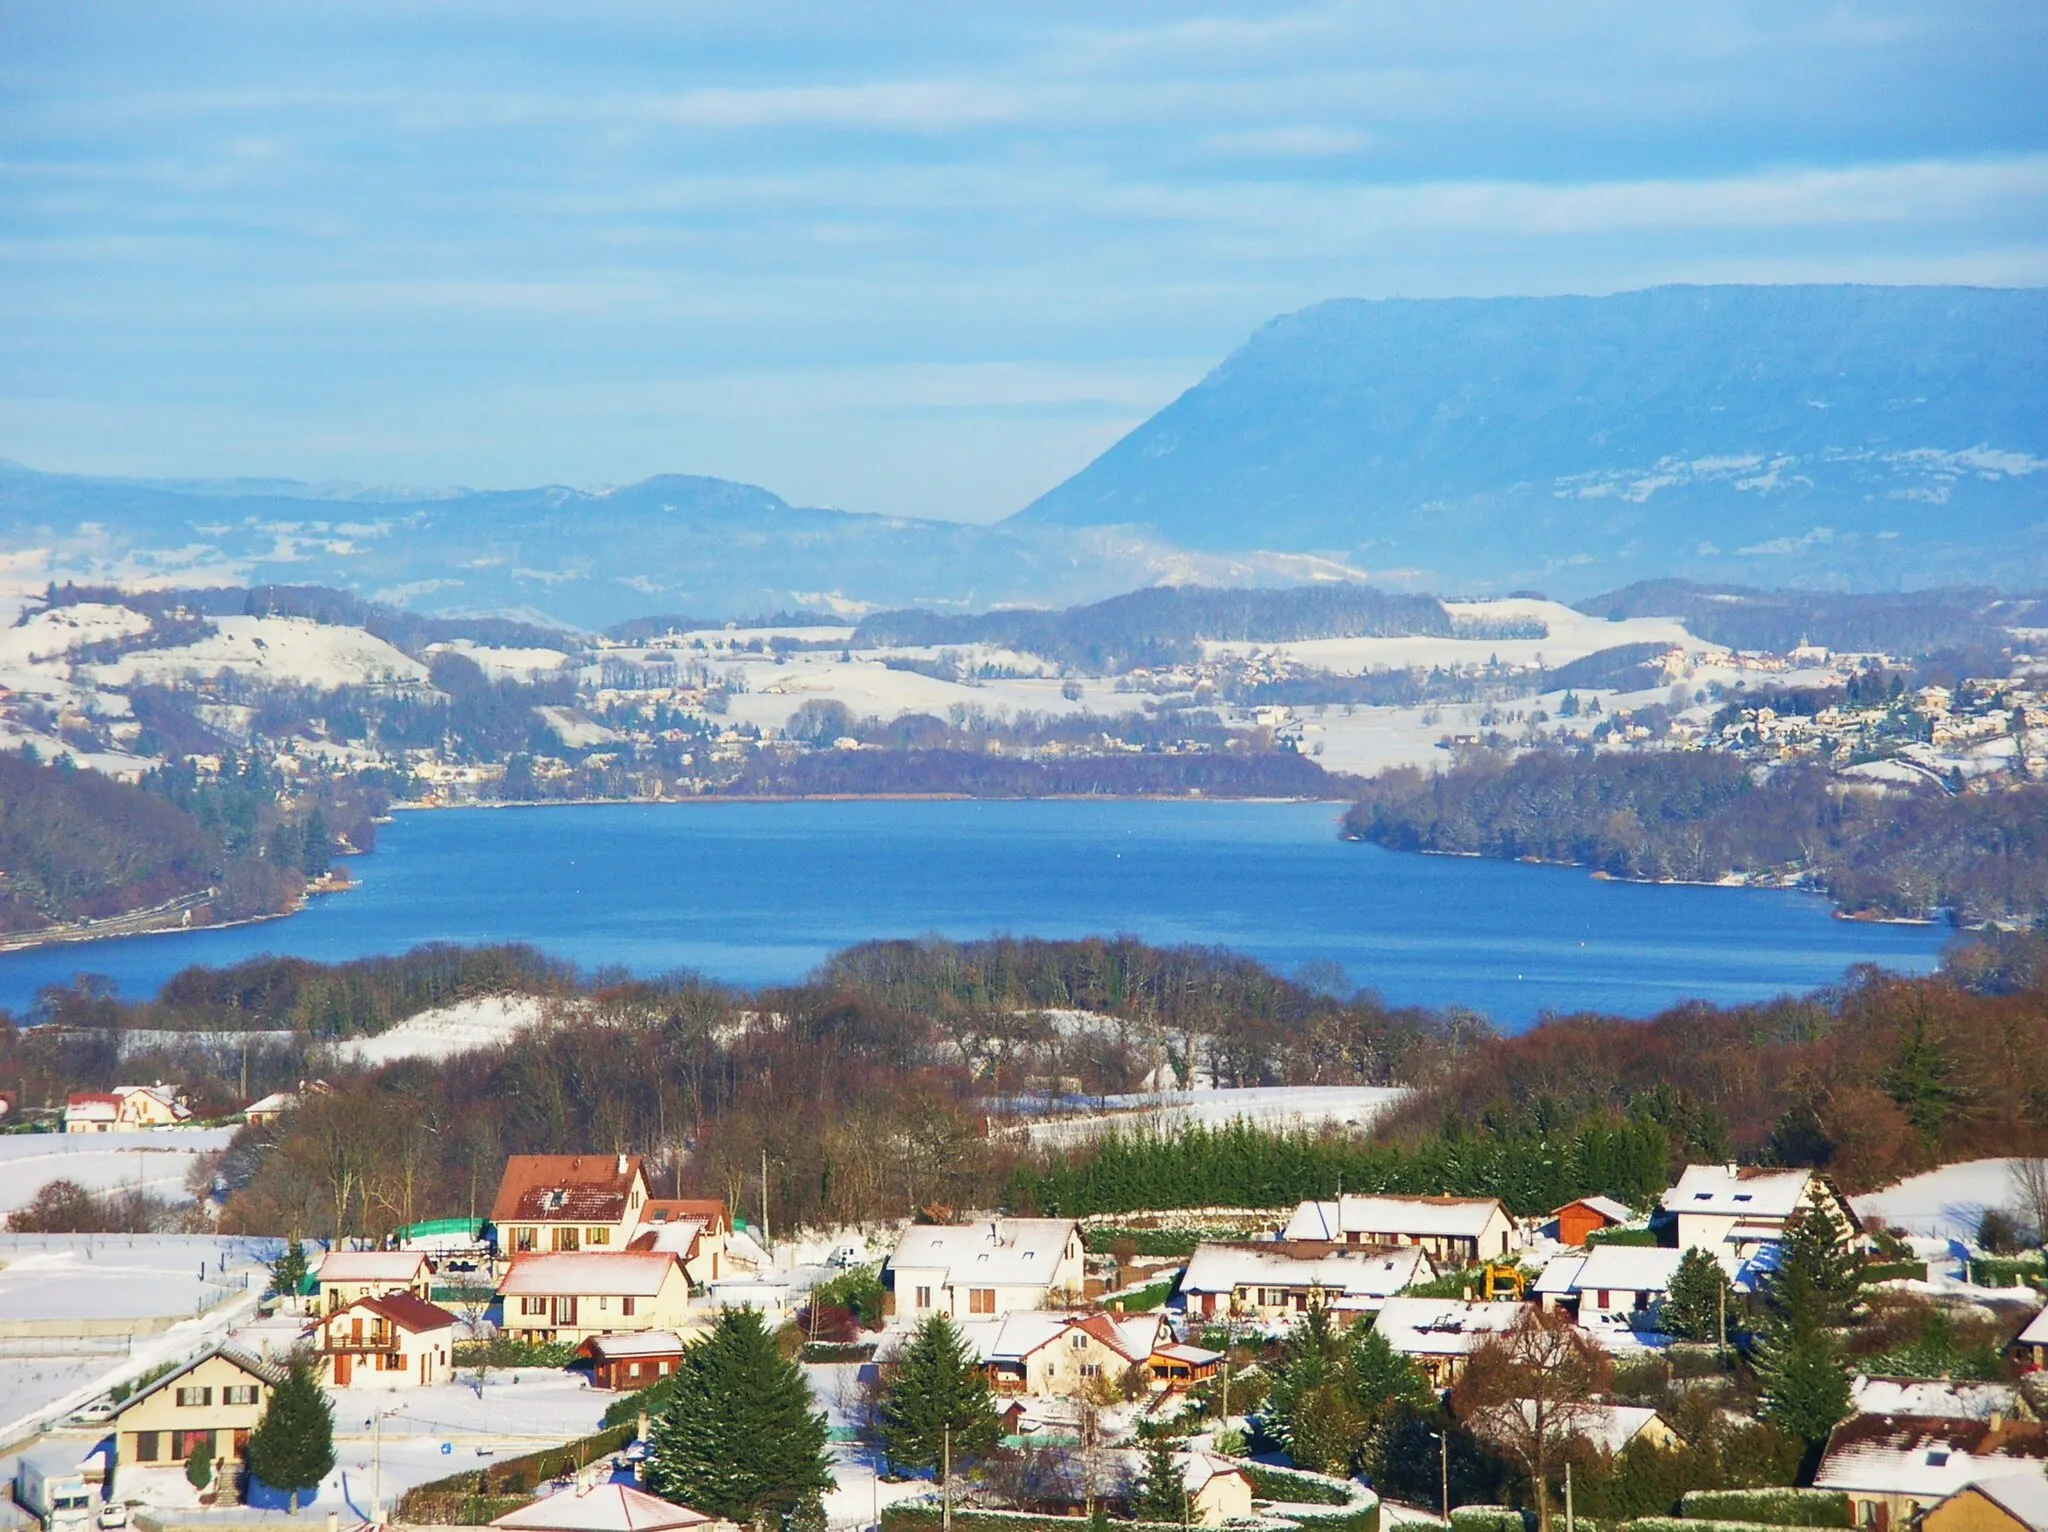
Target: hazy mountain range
point(1839, 437)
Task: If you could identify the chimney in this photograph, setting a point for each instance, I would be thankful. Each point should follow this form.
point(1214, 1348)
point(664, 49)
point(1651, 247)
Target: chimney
point(622, 1164)
point(1734, 1170)
point(1997, 1422)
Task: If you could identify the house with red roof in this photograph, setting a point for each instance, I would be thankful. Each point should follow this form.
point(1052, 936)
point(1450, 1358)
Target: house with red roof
point(567, 1202)
point(1056, 1354)
point(393, 1340)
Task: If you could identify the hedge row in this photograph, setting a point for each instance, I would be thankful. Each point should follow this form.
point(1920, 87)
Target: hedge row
point(1892, 1271)
point(918, 1515)
point(1778, 1507)
point(1633, 1238)
point(1487, 1518)
point(1294, 1487)
point(1693, 1524)
point(515, 1478)
point(1365, 1519)
point(425, 1506)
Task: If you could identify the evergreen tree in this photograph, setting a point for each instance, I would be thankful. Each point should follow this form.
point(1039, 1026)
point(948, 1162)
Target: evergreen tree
point(199, 1466)
point(738, 1438)
point(1311, 1358)
point(1818, 1274)
point(292, 1447)
point(1805, 1389)
point(1162, 1491)
point(289, 1270)
point(1380, 1376)
point(319, 845)
point(937, 1388)
point(1699, 1294)
point(1919, 1081)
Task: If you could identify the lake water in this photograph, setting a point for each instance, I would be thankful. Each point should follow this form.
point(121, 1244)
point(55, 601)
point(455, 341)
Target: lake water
point(760, 892)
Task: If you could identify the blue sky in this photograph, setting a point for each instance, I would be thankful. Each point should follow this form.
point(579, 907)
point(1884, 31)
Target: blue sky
point(906, 258)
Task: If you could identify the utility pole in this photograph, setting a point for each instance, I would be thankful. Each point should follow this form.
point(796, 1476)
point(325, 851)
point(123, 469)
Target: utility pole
point(1567, 1495)
point(946, 1478)
point(377, 1468)
point(1721, 1304)
point(764, 1223)
point(1443, 1440)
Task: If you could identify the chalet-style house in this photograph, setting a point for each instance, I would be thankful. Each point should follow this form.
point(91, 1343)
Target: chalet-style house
point(1581, 1220)
point(1438, 1334)
point(629, 1363)
point(980, 1270)
point(388, 1342)
point(561, 1202)
point(1619, 1282)
point(1741, 1210)
point(1271, 1279)
point(215, 1399)
point(346, 1276)
point(574, 1295)
point(2010, 1503)
point(1055, 1354)
point(1456, 1231)
point(1893, 1467)
point(125, 1109)
point(1176, 1365)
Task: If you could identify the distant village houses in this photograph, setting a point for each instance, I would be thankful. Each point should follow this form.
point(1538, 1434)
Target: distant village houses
point(1457, 1231)
point(983, 1269)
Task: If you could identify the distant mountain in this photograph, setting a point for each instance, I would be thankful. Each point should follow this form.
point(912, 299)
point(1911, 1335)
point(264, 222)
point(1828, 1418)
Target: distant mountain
point(1854, 437)
point(583, 558)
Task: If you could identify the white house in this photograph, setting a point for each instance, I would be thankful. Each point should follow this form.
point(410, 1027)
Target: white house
point(573, 1295)
point(1743, 1209)
point(1438, 1334)
point(1454, 1230)
point(125, 1109)
point(979, 1270)
point(1271, 1279)
point(388, 1342)
point(1618, 1282)
point(1050, 1353)
point(347, 1275)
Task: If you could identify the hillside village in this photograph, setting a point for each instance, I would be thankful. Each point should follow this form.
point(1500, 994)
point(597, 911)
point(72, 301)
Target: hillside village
point(1302, 1368)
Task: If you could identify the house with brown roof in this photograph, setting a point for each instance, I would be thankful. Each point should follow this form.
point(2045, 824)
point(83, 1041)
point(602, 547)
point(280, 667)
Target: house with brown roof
point(1893, 1467)
point(573, 1295)
point(394, 1340)
point(562, 1202)
point(693, 1229)
point(1050, 1355)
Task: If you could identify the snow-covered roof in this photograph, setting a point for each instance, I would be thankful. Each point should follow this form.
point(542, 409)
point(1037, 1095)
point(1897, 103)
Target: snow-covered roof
point(255, 1367)
point(1928, 1397)
point(998, 1252)
point(1016, 1336)
point(577, 1273)
point(677, 1235)
point(601, 1508)
point(1198, 1468)
point(1442, 1326)
point(1606, 1207)
point(1629, 1268)
point(646, 1343)
point(1415, 1217)
point(1610, 1427)
point(1361, 1271)
point(276, 1101)
point(2036, 1332)
point(1193, 1356)
point(1739, 1190)
point(371, 1265)
point(2023, 1495)
point(1928, 1458)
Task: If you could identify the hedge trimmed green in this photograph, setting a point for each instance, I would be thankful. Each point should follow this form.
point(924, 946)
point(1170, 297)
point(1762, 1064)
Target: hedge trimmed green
point(1892, 1271)
point(1691, 1524)
point(918, 1516)
point(1634, 1238)
point(1777, 1507)
point(1488, 1518)
point(1365, 1519)
point(1293, 1487)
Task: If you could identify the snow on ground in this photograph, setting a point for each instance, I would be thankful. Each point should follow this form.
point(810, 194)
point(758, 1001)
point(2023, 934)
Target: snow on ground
point(1572, 636)
point(1274, 1107)
point(277, 649)
point(124, 1276)
point(155, 1159)
point(1947, 1202)
point(47, 634)
point(505, 664)
point(452, 1029)
point(869, 688)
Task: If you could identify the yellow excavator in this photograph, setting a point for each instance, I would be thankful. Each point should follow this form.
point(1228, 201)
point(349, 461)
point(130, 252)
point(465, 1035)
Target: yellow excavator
point(1504, 1281)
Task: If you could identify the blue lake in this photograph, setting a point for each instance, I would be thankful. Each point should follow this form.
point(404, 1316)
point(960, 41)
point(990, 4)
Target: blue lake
point(760, 892)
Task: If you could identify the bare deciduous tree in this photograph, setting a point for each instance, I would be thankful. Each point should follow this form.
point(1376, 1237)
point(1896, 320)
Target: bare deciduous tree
point(2029, 1178)
point(1529, 1390)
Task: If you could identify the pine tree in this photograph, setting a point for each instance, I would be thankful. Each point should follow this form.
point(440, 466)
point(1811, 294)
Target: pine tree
point(1162, 1491)
point(1805, 1389)
point(1380, 1376)
point(738, 1438)
point(1919, 1081)
point(289, 1270)
point(1818, 1275)
point(1698, 1298)
point(319, 845)
point(292, 1447)
point(199, 1466)
point(937, 1389)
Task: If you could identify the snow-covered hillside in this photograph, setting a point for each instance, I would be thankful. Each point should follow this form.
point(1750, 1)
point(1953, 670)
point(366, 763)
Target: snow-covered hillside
point(452, 1029)
point(277, 649)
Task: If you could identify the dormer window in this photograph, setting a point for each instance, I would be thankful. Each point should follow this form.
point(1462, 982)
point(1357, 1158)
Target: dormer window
point(1703, 1196)
point(1744, 1197)
point(1031, 1255)
point(1937, 1457)
point(553, 1200)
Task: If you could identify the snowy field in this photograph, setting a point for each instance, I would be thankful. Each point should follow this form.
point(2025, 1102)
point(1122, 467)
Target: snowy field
point(275, 649)
point(156, 1160)
point(124, 1276)
point(452, 1029)
point(1279, 1107)
point(1946, 1203)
